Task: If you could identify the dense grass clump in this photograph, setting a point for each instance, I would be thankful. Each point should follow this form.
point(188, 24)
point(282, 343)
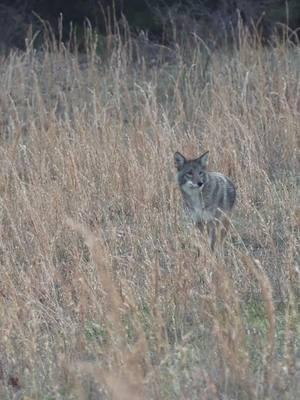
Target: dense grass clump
point(106, 291)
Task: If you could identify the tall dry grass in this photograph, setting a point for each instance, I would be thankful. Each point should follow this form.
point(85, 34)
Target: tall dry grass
point(106, 290)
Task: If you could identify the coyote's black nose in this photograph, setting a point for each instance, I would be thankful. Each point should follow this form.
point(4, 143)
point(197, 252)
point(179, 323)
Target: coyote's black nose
point(200, 184)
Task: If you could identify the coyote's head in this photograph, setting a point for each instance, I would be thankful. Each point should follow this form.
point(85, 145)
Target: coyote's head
point(191, 173)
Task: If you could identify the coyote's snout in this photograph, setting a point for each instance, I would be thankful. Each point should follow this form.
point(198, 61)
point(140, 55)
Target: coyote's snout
point(208, 196)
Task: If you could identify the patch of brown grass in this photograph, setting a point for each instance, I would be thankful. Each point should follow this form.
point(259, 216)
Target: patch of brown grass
point(107, 291)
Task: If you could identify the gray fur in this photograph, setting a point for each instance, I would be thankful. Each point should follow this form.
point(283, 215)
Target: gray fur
point(208, 196)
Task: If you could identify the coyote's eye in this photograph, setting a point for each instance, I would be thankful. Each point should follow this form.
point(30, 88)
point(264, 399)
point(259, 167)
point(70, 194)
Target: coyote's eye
point(189, 174)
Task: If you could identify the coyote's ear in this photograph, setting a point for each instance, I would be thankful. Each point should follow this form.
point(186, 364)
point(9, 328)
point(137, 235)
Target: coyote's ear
point(203, 160)
point(179, 160)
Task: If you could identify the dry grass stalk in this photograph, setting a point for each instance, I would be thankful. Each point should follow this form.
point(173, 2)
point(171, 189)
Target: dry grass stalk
point(256, 269)
point(229, 330)
point(126, 380)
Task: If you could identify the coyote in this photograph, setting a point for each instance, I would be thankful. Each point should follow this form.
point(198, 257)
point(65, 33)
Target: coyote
point(208, 196)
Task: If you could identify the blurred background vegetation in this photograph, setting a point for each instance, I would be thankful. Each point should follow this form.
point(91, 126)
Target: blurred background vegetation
point(156, 18)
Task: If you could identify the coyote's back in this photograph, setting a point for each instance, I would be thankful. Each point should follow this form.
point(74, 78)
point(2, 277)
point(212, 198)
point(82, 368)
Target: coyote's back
point(208, 196)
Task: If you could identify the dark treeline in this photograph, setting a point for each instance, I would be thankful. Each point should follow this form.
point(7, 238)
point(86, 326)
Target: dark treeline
point(152, 16)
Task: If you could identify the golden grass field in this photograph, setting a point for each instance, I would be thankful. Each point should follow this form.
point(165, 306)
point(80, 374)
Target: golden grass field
point(106, 291)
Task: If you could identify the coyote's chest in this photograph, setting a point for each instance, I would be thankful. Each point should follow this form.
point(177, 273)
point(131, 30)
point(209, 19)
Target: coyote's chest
point(194, 201)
